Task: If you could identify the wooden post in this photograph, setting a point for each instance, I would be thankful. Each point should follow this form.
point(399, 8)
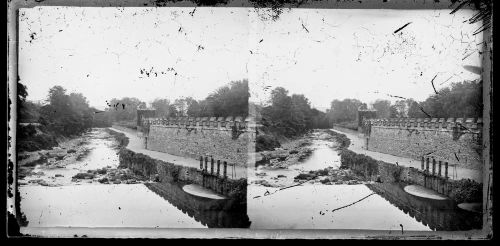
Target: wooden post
point(439, 170)
point(225, 169)
point(422, 162)
point(211, 165)
point(218, 167)
point(201, 162)
point(446, 169)
point(206, 164)
point(427, 164)
point(433, 166)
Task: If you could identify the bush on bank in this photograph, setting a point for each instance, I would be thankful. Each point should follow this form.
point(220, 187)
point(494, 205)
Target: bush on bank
point(29, 139)
point(467, 190)
point(120, 137)
point(342, 139)
point(266, 142)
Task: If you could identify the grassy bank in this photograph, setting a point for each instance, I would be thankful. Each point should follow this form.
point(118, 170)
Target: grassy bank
point(120, 137)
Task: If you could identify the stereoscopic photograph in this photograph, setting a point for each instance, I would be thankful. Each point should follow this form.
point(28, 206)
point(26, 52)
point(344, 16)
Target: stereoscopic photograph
point(235, 119)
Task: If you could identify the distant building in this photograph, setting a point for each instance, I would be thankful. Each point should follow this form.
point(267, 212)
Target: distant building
point(364, 114)
point(144, 113)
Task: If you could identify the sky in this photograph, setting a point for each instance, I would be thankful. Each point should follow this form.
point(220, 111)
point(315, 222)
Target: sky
point(100, 52)
point(329, 54)
point(325, 54)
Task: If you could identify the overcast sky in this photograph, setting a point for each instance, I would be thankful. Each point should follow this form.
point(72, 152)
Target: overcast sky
point(100, 51)
point(336, 54)
point(325, 54)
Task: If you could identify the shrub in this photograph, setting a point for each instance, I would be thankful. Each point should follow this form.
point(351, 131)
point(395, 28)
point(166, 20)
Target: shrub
point(342, 139)
point(467, 190)
point(266, 142)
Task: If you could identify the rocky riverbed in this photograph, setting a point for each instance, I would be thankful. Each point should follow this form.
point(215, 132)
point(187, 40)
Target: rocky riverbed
point(58, 157)
point(76, 161)
point(294, 151)
point(312, 159)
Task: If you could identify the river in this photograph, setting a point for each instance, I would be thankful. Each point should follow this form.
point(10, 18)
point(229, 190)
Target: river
point(370, 206)
point(65, 202)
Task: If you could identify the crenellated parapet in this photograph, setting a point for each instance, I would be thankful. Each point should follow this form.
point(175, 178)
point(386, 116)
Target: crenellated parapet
point(220, 123)
point(467, 124)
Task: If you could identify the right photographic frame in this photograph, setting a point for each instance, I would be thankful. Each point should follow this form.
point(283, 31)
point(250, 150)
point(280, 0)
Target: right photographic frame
point(371, 119)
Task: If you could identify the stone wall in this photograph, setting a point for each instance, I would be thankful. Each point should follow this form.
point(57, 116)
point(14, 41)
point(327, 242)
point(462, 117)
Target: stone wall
point(438, 215)
point(455, 141)
point(211, 212)
point(375, 170)
point(224, 139)
point(166, 172)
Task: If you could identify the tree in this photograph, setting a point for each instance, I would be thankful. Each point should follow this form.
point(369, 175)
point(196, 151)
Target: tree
point(345, 110)
point(393, 112)
point(229, 100)
point(124, 109)
point(401, 108)
point(462, 99)
point(383, 108)
point(414, 110)
point(162, 107)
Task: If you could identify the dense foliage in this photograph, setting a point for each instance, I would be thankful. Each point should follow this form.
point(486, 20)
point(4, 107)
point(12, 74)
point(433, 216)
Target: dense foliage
point(460, 100)
point(290, 116)
point(229, 100)
point(62, 115)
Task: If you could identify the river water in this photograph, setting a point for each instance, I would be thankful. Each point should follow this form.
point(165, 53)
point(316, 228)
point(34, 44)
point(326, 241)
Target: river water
point(372, 206)
point(88, 203)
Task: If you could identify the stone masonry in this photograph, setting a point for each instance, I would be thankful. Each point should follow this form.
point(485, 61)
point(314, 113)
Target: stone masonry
point(226, 139)
point(453, 140)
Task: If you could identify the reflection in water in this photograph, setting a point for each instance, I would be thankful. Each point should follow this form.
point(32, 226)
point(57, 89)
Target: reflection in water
point(210, 212)
point(438, 215)
point(91, 204)
point(99, 205)
point(317, 206)
point(311, 206)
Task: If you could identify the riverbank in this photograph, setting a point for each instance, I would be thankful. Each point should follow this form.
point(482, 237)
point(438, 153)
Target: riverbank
point(369, 169)
point(293, 151)
point(312, 159)
point(66, 152)
point(358, 145)
point(78, 161)
point(136, 144)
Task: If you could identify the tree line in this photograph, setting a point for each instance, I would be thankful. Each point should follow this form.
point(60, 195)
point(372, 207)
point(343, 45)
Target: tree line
point(459, 100)
point(290, 116)
point(61, 115)
point(228, 100)
point(286, 116)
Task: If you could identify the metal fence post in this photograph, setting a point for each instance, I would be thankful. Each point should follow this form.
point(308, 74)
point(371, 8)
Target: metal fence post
point(422, 162)
point(201, 162)
point(433, 166)
point(211, 165)
point(427, 164)
point(218, 167)
point(446, 169)
point(225, 169)
point(206, 163)
point(439, 170)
